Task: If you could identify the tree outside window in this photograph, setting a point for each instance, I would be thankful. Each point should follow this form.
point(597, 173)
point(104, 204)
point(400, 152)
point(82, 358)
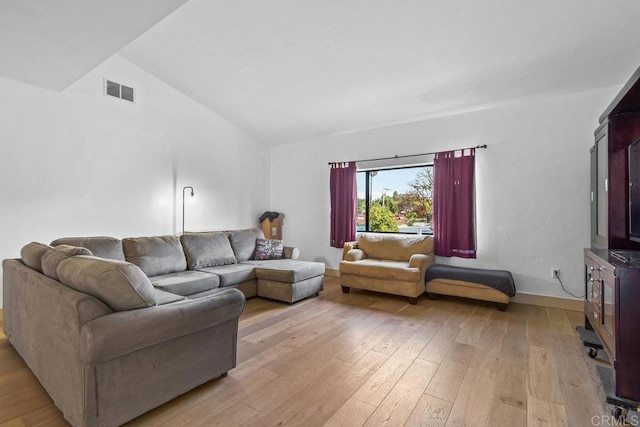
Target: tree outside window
point(396, 200)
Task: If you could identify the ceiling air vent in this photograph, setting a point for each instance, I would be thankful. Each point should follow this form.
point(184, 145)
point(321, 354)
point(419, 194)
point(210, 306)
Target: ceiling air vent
point(118, 91)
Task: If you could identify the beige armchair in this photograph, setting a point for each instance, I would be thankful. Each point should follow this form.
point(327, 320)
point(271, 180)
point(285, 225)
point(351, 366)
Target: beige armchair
point(389, 263)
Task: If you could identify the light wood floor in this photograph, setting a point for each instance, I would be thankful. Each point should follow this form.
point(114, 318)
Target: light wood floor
point(370, 359)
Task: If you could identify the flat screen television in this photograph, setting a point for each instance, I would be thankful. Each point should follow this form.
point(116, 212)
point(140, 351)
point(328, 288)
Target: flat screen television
point(634, 191)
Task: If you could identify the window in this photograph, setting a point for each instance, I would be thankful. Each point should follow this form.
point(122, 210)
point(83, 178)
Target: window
point(395, 200)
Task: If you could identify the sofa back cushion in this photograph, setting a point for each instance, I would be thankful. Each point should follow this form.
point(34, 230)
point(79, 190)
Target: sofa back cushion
point(155, 255)
point(207, 250)
point(102, 246)
point(394, 247)
point(32, 253)
point(55, 256)
point(243, 242)
point(118, 284)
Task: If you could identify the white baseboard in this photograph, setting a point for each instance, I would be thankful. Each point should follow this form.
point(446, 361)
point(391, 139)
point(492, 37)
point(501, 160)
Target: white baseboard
point(522, 298)
point(547, 301)
point(331, 272)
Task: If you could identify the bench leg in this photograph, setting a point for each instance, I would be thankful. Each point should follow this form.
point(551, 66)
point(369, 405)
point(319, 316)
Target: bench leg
point(346, 289)
point(431, 296)
point(501, 306)
point(413, 301)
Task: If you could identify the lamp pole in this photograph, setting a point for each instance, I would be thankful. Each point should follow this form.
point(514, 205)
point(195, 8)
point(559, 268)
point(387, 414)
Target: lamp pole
point(183, 196)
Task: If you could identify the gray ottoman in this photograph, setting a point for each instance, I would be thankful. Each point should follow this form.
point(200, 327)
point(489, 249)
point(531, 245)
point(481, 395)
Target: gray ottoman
point(288, 280)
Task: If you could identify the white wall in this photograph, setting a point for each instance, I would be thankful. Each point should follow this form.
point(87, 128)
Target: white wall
point(78, 163)
point(532, 184)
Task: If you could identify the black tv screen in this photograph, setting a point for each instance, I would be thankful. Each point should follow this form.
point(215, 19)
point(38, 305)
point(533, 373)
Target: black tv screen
point(634, 191)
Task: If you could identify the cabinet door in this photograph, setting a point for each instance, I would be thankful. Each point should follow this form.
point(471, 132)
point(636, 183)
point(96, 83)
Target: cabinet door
point(608, 309)
point(599, 190)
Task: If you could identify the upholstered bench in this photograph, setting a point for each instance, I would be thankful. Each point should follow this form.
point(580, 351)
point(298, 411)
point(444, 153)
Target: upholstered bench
point(485, 285)
point(288, 280)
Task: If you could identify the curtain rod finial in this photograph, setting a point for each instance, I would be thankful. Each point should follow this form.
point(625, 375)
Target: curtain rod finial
point(482, 146)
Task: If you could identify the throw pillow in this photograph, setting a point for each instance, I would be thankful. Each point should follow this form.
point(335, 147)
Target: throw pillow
point(269, 249)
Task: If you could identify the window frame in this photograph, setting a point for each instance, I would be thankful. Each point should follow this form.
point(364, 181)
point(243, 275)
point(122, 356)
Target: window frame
point(367, 197)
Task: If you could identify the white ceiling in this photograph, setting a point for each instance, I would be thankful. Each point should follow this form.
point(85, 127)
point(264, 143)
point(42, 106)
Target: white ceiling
point(292, 70)
point(53, 43)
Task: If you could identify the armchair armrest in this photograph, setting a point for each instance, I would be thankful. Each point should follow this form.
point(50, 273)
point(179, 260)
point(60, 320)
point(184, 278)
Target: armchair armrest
point(124, 332)
point(291, 252)
point(422, 262)
point(347, 247)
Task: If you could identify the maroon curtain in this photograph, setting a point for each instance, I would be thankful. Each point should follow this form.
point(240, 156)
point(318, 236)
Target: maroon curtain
point(454, 204)
point(344, 203)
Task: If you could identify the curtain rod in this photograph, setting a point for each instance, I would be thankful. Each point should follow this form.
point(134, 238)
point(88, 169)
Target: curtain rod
point(408, 155)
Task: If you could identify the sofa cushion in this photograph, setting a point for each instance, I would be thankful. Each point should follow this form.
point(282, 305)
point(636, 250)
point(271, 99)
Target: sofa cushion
point(378, 268)
point(102, 246)
point(394, 247)
point(32, 253)
point(269, 249)
point(119, 284)
point(164, 297)
point(185, 282)
point(55, 256)
point(287, 270)
point(155, 255)
point(207, 250)
point(243, 242)
point(232, 274)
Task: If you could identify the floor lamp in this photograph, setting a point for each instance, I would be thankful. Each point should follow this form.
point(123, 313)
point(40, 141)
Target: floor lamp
point(183, 195)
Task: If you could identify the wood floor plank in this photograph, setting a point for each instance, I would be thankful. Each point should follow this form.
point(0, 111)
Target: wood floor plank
point(473, 401)
point(502, 414)
point(396, 408)
point(440, 344)
point(447, 380)
point(543, 413)
point(511, 383)
point(430, 412)
point(515, 344)
point(543, 376)
point(472, 328)
point(353, 413)
point(317, 404)
point(386, 377)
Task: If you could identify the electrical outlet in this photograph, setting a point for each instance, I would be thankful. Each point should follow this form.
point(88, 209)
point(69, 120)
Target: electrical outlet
point(555, 272)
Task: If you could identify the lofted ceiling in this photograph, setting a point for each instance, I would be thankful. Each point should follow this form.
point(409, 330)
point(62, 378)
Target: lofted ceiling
point(292, 70)
point(52, 44)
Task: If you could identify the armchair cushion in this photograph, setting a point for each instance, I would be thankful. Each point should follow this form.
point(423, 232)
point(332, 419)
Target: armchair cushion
point(378, 268)
point(394, 247)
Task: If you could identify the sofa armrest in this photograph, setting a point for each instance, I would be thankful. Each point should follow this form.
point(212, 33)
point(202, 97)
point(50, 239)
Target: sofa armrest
point(291, 253)
point(355, 255)
point(124, 332)
point(347, 247)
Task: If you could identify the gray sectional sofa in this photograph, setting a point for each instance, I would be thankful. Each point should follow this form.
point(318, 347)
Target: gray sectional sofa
point(113, 328)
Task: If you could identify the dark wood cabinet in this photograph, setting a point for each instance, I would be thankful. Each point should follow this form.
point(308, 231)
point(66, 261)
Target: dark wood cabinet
point(612, 283)
point(611, 309)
